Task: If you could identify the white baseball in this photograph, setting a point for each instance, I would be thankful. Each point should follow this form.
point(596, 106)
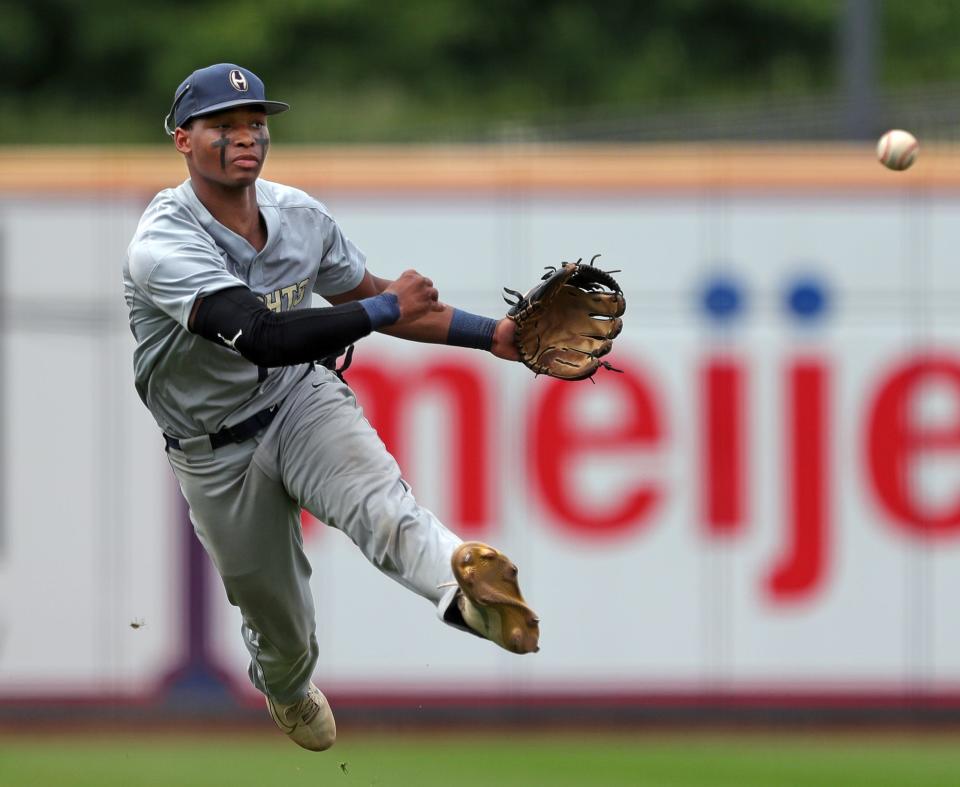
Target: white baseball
point(897, 149)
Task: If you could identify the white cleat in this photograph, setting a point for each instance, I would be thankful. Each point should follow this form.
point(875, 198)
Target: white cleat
point(309, 722)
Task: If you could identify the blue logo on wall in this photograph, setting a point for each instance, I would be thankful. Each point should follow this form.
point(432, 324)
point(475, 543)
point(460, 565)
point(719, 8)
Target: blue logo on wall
point(722, 299)
point(805, 299)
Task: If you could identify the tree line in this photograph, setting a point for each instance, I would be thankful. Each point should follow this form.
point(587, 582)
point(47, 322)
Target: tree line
point(104, 71)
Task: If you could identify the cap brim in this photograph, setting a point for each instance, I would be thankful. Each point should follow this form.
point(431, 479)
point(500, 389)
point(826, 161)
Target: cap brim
point(269, 107)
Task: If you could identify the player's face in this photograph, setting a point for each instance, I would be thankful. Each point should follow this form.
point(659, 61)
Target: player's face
point(228, 148)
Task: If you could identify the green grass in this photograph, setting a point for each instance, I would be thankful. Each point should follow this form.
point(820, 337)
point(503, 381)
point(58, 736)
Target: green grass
point(460, 760)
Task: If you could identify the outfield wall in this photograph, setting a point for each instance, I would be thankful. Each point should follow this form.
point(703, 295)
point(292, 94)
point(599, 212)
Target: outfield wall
point(766, 504)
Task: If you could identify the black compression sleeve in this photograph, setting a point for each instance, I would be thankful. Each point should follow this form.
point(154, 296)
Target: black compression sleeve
point(237, 318)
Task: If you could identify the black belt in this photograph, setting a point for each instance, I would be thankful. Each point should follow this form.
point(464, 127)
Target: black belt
point(238, 433)
point(243, 431)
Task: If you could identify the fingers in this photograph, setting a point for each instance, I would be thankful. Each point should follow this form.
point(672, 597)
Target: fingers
point(430, 295)
point(417, 295)
point(410, 273)
point(419, 282)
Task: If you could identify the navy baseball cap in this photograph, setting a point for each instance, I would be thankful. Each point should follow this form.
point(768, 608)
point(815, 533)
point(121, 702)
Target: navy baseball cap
point(216, 88)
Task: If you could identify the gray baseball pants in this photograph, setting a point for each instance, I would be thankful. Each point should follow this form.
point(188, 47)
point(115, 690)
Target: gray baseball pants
point(318, 454)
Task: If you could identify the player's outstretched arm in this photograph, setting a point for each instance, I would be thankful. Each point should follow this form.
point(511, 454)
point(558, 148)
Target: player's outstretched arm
point(235, 317)
point(442, 324)
point(417, 324)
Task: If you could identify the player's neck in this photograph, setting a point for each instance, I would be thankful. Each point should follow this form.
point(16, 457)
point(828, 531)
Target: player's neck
point(235, 208)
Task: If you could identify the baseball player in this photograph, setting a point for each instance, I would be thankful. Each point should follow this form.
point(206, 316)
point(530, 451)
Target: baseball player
point(216, 282)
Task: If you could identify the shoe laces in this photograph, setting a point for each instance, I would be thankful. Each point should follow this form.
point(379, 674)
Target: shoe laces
point(308, 708)
point(304, 711)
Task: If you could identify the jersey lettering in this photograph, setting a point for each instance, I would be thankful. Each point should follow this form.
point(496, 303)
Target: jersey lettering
point(271, 300)
point(285, 298)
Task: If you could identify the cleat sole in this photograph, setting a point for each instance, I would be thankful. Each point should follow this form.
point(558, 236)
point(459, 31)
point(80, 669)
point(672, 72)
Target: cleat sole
point(489, 580)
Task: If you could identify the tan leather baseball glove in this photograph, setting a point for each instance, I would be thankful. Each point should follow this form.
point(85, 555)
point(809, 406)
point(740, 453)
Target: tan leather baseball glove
point(568, 322)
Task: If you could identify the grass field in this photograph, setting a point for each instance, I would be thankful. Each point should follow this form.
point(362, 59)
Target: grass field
point(641, 759)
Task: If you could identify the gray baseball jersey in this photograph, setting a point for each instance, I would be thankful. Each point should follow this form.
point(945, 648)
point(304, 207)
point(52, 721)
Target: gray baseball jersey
point(180, 252)
point(245, 498)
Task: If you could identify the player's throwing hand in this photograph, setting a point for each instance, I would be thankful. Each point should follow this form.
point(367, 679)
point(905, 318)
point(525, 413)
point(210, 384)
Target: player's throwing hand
point(416, 296)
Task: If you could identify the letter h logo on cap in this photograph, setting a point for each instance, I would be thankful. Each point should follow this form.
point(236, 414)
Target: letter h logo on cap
point(239, 81)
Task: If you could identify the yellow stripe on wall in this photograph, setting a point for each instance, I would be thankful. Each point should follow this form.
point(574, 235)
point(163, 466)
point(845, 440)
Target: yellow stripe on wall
point(493, 169)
